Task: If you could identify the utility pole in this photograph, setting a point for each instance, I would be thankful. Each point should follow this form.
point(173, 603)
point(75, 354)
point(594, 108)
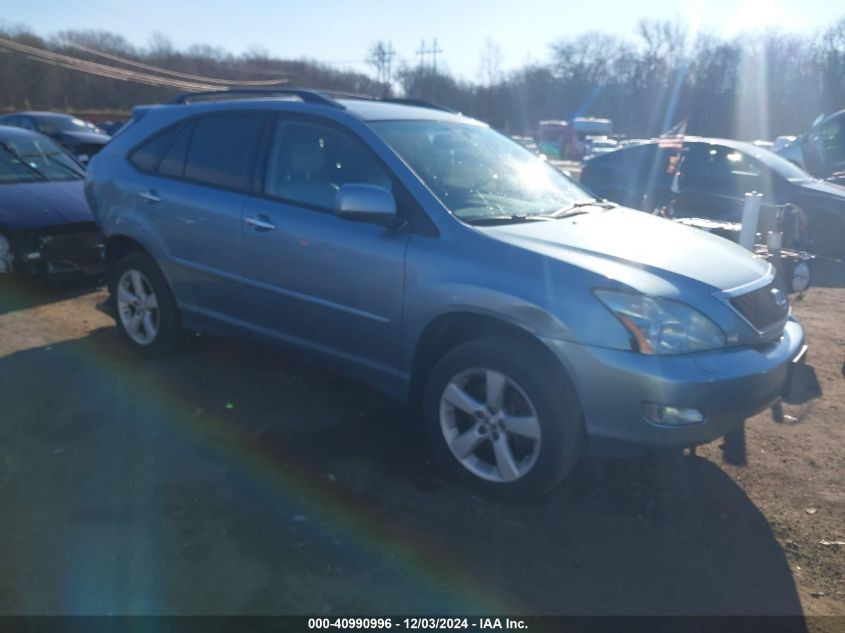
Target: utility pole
point(388, 62)
point(435, 51)
point(422, 52)
point(424, 67)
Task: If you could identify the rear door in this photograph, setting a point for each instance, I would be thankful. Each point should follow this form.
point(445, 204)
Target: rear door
point(196, 179)
point(311, 277)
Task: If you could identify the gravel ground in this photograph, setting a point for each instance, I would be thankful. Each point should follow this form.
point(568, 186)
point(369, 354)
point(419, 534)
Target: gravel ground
point(235, 479)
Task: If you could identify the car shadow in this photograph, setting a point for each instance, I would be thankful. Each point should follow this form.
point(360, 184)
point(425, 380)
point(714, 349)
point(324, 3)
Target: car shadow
point(22, 293)
point(827, 273)
point(232, 479)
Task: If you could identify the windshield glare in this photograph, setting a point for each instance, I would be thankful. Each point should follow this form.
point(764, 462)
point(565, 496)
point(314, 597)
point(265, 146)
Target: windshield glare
point(478, 173)
point(33, 160)
point(54, 124)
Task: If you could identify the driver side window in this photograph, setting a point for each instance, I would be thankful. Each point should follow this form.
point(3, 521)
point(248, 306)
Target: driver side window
point(308, 162)
point(723, 170)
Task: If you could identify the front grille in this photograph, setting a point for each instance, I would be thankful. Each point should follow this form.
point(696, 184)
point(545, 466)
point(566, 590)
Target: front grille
point(760, 307)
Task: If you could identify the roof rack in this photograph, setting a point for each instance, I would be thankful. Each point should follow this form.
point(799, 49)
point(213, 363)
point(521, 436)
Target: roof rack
point(306, 96)
point(316, 97)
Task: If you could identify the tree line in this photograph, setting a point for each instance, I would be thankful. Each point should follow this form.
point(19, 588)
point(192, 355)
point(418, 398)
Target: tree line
point(750, 86)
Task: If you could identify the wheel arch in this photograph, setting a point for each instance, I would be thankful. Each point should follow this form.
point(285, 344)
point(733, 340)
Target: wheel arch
point(446, 331)
point(117, 246)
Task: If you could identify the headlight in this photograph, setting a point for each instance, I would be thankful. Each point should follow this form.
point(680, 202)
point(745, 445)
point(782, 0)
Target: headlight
point(662, 326)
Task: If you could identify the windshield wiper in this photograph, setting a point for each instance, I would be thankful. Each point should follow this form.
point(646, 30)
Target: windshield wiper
point(492, 220)
point(578, 208)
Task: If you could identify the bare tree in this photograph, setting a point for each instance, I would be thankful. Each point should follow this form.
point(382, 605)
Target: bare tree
point(380, 57)
point(490, 67)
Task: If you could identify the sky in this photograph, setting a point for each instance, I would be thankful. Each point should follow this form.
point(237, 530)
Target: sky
point(341, 32)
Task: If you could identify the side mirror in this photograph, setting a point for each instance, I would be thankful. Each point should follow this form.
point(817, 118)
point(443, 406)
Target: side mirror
point(365, 203)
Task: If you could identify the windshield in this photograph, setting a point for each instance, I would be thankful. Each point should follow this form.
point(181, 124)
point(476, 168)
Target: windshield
point(780, 165)
point(33, 160)
point(53, 124)
point(478, 173)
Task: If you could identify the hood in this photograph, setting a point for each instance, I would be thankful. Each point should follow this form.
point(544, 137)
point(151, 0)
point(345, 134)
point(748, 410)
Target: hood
point(36, 205)
point(86, 138)
point(640, 240)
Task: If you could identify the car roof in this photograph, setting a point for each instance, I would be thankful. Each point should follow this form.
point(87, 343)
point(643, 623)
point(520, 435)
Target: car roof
point(741, 146)
point(41, 113)
point(8, 132)
point(365, 108)
point(374, 110)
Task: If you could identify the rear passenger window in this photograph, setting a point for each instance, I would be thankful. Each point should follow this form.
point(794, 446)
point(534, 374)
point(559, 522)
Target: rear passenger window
point(146, 157)
point(308, 162)
point(173, 162)
point(221, 147)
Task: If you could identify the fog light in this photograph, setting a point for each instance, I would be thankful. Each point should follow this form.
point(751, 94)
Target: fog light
point(663, 415)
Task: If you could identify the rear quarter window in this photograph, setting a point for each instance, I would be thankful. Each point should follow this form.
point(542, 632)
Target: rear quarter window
point(172, 163)
point(147, 156)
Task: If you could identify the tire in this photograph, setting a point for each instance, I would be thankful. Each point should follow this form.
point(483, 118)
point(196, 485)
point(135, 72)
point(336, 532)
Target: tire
point(144, 308)
point(460, 420)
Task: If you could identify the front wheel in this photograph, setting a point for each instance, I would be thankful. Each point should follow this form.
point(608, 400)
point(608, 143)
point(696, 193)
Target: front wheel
point(503, 417)
point(145, 311)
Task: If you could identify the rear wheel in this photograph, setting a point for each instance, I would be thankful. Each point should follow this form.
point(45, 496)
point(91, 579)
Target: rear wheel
point(503, 417)
point(145, 311)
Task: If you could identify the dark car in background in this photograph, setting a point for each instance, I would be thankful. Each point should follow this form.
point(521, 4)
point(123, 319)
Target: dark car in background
point(708, 178)
point(46, 226)
point(81, 138)
point(111, 127)
point(821, 151)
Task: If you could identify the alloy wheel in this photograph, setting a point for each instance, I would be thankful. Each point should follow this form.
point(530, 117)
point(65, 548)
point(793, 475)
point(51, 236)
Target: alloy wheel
point(490, 425)
point(137, 307)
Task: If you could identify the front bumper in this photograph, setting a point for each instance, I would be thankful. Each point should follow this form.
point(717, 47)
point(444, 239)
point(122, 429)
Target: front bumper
point(56, 252)
point(727, 385)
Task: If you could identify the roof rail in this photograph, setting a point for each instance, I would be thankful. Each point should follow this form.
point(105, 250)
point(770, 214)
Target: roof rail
point(307, 96)
point(342, 94)
point(317, 97)
point(420, 104)
point(347, 94)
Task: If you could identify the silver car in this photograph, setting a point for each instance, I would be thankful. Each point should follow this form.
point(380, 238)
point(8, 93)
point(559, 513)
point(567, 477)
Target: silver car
point(425, 254)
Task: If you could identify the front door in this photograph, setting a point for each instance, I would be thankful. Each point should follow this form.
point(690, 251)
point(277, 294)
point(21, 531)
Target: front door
point(311, 277)
point(714, 180)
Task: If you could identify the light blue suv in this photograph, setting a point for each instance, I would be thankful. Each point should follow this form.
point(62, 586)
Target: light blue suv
point(425, 254)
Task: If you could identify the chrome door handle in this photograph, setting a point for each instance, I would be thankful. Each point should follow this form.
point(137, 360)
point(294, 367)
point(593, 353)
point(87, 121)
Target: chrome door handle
point(149, 196)
point(260, 223)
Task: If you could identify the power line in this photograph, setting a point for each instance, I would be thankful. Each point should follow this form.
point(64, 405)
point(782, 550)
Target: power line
point(165, 71)
point(102, 70)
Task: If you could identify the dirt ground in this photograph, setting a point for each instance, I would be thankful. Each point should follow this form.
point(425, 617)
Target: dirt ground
point(236, 479)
